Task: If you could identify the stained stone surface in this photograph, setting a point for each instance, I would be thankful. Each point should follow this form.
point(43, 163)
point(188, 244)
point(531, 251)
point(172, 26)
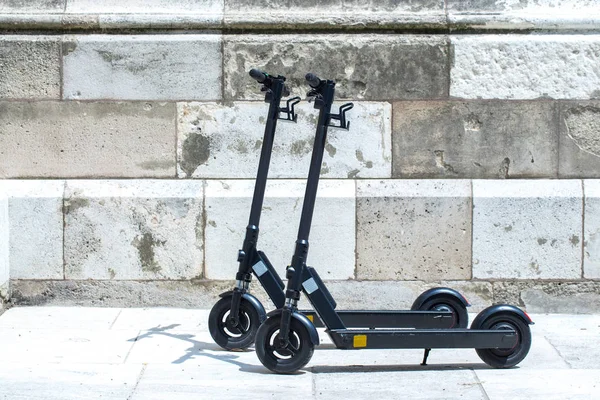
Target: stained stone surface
point(526, 229)
point(413, 230)
point(225, 141)
point(134, 229)
point(579, 125)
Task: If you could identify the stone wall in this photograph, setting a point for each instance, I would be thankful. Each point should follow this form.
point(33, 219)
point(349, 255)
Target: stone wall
point(130, 135)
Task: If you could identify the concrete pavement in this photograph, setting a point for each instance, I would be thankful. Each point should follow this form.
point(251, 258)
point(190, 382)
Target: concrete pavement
point(159, 353)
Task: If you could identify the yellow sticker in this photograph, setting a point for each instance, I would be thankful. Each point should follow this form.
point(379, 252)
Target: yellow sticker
point(310, 318)
point(360, 341)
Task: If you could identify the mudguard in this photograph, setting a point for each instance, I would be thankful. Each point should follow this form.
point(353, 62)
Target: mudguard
point(312, 331)
point(252, 300)
point(426, 295)
point(499, 308)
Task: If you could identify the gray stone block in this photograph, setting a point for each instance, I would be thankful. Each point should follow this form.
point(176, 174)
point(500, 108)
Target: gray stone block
point(591, 229)
point(72, 139)
point(366, 67)
point(332, 240)
point(150, 67)
point(30, 67)
point(550, 297)
point(224, 141)
point(35, 228)
point(413, 230)
point(579, 126)
point(526, 229)
point(32, 6)
point(525, 66)
point(134, 229)
point(452, 139)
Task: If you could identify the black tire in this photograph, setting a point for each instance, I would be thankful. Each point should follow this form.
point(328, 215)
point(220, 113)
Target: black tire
point(229, 337)
point(448, 303)
point(283, 361)
point(506, 358)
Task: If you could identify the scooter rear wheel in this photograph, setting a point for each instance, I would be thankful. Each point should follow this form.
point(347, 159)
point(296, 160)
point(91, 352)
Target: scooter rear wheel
point(283, 360)
point(231, 337)
point(509, 357)
point(448, 303)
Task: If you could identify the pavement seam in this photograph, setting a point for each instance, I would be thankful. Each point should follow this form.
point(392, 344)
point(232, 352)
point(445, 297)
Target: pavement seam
point(483, 392)
point(558, 352)
point(131, 348)
point(115, 320)
point(313, 383)
point(137, 382)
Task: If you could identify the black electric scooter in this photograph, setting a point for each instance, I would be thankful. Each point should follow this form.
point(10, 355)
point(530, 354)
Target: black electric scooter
point(286, 339)
point(235, 318)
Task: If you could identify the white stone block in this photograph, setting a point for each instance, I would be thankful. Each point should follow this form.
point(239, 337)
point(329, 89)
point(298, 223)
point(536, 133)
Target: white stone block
point(142, 67)
point(133, 229)
point(413, 229)
point(332, 240)
point(35, 228)
point(527, 229)
point(4, 240)
point(591, 234)
point(144, 6)
point(526, 66)
point(224, 141)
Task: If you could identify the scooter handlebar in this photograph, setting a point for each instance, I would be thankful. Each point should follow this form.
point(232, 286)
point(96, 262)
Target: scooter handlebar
point(258, 75)
point(313, 80)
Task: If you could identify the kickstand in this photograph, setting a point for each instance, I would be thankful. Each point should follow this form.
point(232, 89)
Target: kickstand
point(424, 363)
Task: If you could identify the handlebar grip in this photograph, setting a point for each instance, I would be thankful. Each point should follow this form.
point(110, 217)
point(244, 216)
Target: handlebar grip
point(258, 75)
point(313, 80)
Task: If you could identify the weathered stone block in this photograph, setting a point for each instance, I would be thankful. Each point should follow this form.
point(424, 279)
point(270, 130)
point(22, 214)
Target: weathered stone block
point(474, 139)
point(224, 141)
point(369, 67)
point(332, 241)
point(144, 6)
point(591, 232)
point(527, 229)
point(144, 67)
point(526, 67)
point(134, 229)
point(413, 230)
point(41, 6)
point(4, 252)
point(72, 139)
point(550, 297)
point(351, 14)
point(30, 67)
point(579, 154)
point(35, 228)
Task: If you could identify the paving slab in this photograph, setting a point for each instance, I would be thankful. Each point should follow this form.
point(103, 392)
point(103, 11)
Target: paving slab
point(146, 319)
point(67, 381)
point(42, 318)
point(540, 384)
point(58, 345)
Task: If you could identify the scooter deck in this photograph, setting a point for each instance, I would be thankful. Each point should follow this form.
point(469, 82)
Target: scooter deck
point(353, 339)
point(388, 319)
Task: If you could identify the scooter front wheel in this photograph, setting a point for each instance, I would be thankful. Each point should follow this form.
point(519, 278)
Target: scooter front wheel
point(448, 303)
point(508, 357)
point(288, 359)
point(227, 335)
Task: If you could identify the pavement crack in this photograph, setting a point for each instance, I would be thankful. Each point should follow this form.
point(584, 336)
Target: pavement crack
point(116, 318)
point(558, 352)
point(483, 392)
point(314, 384)
point(137, 382)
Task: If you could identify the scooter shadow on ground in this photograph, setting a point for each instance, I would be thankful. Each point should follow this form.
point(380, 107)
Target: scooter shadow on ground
point(344, 369)
point(198, 349)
